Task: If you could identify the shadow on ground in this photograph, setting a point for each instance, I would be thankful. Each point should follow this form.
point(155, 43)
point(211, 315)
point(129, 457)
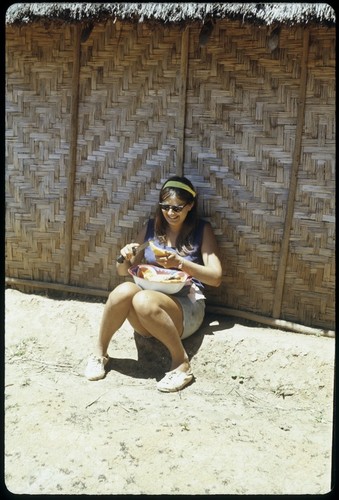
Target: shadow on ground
point(153, 357)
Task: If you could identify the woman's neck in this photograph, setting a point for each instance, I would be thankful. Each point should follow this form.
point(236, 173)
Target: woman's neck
point(172, 235)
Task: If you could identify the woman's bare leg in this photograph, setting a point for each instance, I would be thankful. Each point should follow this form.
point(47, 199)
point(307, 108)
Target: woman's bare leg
point(115, 313)
point(160, 316)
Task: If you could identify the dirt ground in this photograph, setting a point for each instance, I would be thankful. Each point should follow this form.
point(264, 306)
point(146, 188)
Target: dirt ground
point(257, 419)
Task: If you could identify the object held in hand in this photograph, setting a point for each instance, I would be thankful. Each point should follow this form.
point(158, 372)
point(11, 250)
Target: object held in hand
point(135, 251)
point(158, 252)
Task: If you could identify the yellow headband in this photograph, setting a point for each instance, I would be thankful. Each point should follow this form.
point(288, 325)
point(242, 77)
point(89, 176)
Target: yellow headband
point(181, 185)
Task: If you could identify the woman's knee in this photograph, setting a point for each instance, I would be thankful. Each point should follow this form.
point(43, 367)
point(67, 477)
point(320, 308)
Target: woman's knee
point(144, 302)
point(124, 291)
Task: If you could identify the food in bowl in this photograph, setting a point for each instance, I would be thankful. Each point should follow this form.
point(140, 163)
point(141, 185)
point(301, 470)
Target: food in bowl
point(157, 278)
point(151, 275)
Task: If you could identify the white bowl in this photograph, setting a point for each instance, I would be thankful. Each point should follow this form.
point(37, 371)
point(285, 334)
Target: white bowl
point(168, 286)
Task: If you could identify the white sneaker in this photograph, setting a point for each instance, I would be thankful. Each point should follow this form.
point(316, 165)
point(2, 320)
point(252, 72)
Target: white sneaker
point(95, 369)
point(175, 380)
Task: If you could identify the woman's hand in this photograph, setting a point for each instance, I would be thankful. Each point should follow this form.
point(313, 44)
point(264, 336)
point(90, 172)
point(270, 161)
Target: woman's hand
point(130, 259)
point(171, 260)
point(128, 251)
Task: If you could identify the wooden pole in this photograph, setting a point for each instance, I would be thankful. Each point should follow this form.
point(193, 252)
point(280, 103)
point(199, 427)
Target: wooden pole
point(271, 322)
point(57, 287)
point(182, 102)
point(73, 153)
point(279, 287)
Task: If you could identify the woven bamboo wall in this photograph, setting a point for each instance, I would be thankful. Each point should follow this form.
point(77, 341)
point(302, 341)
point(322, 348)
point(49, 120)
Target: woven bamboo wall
point(240, 110)
point(242, 104)
point(38, 95)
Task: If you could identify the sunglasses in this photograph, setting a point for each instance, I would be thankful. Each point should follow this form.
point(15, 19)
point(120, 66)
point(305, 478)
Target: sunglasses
point(175, 208)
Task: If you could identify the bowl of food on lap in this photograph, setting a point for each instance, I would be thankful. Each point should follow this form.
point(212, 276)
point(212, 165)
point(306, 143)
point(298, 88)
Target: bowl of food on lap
point(150, 277)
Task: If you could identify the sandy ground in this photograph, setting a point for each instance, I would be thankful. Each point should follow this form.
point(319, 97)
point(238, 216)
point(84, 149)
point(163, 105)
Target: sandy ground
point(256, 420)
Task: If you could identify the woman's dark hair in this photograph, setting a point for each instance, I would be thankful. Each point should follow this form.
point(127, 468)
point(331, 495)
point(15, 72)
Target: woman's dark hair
point(184, 243)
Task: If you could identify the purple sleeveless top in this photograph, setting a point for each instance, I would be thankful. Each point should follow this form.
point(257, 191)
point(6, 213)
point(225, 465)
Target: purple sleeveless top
point(193, 256)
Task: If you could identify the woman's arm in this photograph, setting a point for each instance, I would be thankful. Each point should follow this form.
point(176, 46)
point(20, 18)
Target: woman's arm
point(127, 253)
point(210, 272)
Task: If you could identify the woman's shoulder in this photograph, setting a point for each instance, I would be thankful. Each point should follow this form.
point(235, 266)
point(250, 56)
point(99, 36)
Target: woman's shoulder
point(204, 230)
point(201, 224)
point(198, 232)
point(149, 222)
point(149, 228)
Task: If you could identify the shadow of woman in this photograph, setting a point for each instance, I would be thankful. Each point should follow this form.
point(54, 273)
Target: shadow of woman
point(153, 358)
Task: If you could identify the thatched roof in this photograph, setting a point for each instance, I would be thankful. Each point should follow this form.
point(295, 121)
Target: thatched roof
point(179, 13)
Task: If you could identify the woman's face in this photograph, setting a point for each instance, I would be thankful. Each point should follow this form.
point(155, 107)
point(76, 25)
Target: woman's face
point(175, 210)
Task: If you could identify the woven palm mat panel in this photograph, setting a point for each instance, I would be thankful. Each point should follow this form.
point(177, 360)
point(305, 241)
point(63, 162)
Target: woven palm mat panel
point(242, 102)
point(38, 83)
point(129, 101)
point(310, 277)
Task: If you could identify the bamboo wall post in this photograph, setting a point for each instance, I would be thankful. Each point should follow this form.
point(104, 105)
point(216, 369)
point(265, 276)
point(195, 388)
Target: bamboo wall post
point(182, 101)
point(279, 288)
point(73, 153)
